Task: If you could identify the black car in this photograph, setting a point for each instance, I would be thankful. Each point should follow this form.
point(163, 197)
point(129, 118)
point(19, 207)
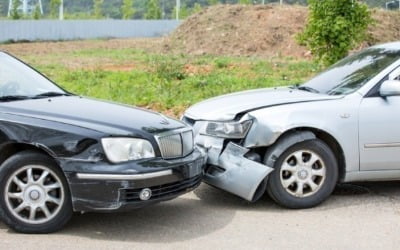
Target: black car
point(61, 153)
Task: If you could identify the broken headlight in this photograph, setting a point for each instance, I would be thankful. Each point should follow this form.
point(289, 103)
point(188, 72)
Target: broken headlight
point(233, 130)
point(127, 149)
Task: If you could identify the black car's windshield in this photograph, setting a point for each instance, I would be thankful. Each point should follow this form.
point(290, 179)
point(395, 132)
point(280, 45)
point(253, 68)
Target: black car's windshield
point(351, 73)
point(19, 82)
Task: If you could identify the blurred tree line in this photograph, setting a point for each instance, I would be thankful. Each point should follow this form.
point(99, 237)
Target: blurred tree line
point(141, 9)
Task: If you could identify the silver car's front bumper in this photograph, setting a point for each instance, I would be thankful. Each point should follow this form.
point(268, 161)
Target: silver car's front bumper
point(234, 172)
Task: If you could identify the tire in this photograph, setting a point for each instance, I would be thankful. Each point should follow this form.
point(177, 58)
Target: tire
point(25, 187)
point(305, 175)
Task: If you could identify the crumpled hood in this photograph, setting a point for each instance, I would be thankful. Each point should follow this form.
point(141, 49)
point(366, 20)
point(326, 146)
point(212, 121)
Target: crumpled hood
point(106, 117)
point(226, 107)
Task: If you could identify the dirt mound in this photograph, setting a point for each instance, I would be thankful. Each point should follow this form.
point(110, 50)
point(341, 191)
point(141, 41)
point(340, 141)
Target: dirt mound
point(264, 31)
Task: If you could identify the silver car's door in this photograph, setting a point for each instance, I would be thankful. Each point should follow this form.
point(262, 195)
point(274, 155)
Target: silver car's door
point(379, 131)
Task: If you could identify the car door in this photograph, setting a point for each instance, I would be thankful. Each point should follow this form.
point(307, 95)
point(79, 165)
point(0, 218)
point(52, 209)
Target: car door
point(379, 131)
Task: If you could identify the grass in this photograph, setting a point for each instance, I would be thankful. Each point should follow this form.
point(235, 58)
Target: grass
point(165, 83)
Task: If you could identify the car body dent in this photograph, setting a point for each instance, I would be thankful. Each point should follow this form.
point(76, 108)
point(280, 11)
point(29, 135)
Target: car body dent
point(271, 123)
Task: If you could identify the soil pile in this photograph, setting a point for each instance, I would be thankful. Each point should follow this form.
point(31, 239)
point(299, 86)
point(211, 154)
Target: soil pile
point(261, 30)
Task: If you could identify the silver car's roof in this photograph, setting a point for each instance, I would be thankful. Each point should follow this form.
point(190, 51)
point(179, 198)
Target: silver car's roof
point(391, 45)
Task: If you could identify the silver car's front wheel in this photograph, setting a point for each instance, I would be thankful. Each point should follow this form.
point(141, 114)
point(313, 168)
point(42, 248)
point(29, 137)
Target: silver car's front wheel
point(302, 173)
point(305, 175)
point(34, 193)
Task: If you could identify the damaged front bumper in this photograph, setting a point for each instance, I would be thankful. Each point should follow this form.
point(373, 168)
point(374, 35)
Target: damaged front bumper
point(230, 170)
point(104, 187)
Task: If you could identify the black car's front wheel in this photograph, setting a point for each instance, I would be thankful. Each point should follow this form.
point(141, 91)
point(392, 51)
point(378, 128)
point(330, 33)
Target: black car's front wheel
point(304, 176)
point(34, 195)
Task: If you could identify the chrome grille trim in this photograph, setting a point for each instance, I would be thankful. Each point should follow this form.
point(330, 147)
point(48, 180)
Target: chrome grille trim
point(175, 143)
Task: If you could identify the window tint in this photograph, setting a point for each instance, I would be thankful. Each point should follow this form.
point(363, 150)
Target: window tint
point(16, 78)
point(351, 73)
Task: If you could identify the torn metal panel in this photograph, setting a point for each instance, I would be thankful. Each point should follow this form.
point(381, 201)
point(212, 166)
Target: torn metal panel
point(240, 175)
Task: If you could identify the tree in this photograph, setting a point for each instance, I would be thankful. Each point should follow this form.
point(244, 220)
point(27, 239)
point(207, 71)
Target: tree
point(37, 13)
point(245, 1)
point(212, 2)
point(14, 14)
point(54, 8)
point(153, 10)
point(334, 27)
point(98, 9)
point(127, 9)
point(196, 8)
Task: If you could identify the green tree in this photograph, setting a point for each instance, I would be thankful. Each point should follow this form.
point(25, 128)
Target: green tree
point(14, 14)
point(1, 8)
point(245, 1)
point(334, 27)
point(153, 10)
point(183, 12)
point(127, 9)
point(196, 8)
point(54, 8)
point(98, 9)
point(212, 2)
point(37, 13)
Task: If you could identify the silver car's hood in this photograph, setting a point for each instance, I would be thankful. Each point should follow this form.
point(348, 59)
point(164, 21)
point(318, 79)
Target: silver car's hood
point(226, 107)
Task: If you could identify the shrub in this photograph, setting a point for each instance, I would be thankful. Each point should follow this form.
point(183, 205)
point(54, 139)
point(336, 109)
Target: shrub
point(334, 28)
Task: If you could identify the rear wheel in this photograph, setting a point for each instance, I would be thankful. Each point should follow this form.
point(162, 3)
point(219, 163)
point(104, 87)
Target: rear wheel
point(304, 176)
point(34, 195)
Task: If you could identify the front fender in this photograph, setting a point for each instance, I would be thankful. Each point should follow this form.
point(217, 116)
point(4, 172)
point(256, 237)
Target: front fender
point(338, 118)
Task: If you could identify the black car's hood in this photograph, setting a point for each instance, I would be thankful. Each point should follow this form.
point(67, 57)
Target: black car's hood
point(106, 117)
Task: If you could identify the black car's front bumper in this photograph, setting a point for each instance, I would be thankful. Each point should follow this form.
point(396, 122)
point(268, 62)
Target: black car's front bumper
point(106, 187)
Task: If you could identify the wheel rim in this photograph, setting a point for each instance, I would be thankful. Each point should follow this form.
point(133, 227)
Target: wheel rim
point(34, 194)
point(303, 173)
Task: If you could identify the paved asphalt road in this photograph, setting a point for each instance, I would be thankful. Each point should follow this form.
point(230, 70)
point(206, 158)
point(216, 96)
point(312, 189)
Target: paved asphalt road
point(365, 216)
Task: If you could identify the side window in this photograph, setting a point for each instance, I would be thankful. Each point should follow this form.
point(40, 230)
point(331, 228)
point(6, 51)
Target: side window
point(395, 74)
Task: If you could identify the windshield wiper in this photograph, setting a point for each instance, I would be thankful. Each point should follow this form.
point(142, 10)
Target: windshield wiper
point(50, 94)
point(9, 98)
point(305, 88)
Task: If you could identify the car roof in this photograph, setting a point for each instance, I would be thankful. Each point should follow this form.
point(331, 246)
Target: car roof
point(391, 45)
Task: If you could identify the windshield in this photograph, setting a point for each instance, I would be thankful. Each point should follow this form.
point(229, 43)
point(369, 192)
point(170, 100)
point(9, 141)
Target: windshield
point(351, 73)
point(19, 80)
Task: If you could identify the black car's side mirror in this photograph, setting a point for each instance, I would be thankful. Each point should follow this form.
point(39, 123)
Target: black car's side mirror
point(390, 88)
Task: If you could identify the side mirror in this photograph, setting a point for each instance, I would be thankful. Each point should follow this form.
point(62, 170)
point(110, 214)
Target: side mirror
point(390, 88)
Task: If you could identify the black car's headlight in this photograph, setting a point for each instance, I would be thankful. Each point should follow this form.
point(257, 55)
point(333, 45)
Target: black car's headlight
point(233, 130)
point(127, 149)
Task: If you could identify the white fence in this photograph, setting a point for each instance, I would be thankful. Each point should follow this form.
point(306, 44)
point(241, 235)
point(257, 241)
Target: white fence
point(33, 30)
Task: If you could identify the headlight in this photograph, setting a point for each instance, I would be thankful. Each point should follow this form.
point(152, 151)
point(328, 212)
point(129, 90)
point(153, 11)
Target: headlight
point(234, 130)
point(127, 149)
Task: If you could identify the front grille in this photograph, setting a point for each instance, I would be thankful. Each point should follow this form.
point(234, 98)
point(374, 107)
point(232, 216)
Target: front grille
point(176, 143)
point(132, 195)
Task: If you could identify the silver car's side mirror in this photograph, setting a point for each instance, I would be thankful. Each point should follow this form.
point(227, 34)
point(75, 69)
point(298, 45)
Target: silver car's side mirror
point(390, 88)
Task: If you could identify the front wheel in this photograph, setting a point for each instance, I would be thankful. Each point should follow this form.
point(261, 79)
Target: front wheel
point(304, 176)
point(34, 195)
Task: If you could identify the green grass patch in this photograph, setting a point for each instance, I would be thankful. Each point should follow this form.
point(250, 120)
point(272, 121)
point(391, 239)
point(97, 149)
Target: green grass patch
point(166, 82)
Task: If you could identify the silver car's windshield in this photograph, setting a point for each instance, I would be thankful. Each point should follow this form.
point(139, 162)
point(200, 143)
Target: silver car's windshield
point(351, 73)
point(19, 81)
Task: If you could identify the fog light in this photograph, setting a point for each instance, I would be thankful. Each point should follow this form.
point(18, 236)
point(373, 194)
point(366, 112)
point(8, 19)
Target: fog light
point(145, 194)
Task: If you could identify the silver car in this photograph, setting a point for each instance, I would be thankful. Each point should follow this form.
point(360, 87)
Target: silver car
point(298, 142)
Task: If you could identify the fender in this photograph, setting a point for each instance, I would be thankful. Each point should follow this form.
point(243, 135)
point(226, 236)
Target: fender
point(285, 142)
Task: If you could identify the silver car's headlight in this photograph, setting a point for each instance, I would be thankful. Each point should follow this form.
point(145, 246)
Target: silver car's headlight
point(233, 130)
point(127, 149)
